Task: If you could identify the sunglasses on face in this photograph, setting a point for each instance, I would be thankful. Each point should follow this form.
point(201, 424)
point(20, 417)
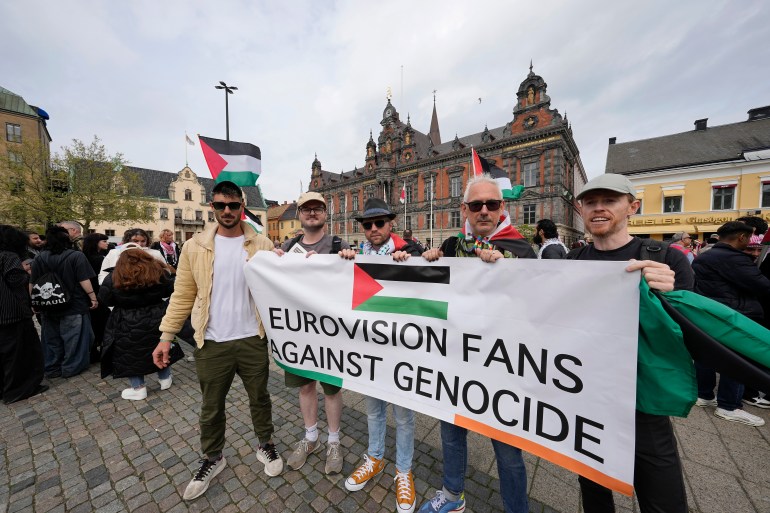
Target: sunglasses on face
point(314, 210)
point(379, 223)
point(476, 206)
point(220, 205)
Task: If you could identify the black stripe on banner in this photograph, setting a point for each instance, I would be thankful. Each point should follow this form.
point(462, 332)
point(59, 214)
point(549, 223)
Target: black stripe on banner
point(232, 147)
point(390, 272)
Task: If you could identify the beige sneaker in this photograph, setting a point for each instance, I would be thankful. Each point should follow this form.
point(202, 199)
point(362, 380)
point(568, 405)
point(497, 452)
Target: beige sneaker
point(405, 496)
point(200, 482)
point(367, 470)
point(299, 456)
point(333, 458)
point(268, 455)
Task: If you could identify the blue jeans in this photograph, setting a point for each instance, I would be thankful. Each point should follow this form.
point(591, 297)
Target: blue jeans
point(729, 393)
point(510, 467)
point(66, 343)
point(138, 381)
point(376, 412)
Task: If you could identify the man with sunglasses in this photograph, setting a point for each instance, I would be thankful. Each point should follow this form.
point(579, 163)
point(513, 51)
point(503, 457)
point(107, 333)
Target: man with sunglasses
point(229, 335)
point(377, 221)
point(489, 235)
point(311, 210)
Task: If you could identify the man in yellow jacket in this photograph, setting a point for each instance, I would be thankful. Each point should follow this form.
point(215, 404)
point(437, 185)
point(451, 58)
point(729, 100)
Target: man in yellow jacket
point(211, 288)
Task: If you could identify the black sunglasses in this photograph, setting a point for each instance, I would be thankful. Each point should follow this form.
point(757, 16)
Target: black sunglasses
point(492, 205)
point(220, 205)
point(379, 223)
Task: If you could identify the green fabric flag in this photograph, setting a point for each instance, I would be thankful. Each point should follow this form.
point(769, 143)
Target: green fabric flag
point(665, 381)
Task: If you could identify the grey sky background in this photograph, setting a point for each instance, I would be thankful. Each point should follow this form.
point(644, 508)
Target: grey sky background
point(312, 75)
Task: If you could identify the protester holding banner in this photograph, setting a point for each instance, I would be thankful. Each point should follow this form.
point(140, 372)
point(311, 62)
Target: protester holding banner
point(377, 222)
point(229, 334)
point(311, 208)
point(490, 236)
point(606, 204)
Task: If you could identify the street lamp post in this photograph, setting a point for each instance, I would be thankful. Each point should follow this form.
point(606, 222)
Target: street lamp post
point(228, 90)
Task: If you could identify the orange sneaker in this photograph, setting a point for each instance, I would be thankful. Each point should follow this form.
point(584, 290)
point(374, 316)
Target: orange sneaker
point(405, 496)
point(367, 470)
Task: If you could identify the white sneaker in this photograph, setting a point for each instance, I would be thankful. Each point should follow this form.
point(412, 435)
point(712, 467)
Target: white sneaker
point(134, 394)
point(740, 416)
point(202, 478)
point(759, 402)
point(703, 403)
point(165, 384)
point(268, 455)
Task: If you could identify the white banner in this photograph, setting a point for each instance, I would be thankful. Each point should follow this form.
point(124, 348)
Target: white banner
point(540, 354)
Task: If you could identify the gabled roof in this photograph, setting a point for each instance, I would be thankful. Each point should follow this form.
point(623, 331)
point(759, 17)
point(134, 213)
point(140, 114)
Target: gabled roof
point(12, 102)
point(276, 211)
point(714, 144)
point(290, 213)
point(156, 184)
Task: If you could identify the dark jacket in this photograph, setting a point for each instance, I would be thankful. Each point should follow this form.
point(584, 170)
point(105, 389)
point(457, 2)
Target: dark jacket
point(14, 291)
point(729, 276)
point(132, 331)
point(410, 246)
point(520, 248)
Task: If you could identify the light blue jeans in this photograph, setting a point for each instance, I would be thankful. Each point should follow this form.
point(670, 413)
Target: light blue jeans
point(376, 412)
point(138, 381)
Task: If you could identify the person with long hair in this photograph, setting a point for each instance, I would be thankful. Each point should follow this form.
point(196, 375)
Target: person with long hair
point(136, 288)
point(132, 238)
point(66, 332)
point(95, 249)
point(21, 355)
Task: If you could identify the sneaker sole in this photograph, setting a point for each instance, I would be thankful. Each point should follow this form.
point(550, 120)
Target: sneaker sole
point(264, 461)
point(213, 475)
point(336, 469)
point(353, 487)
point(755, 405)
point(399, 509)
point(315, 450)
point(740, 420)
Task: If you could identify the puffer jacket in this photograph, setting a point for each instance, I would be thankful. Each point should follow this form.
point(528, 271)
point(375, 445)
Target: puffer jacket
point(194, 282)
point(132, 328)
point(729, 276)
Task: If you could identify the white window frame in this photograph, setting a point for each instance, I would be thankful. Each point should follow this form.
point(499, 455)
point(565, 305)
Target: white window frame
point(726, 184)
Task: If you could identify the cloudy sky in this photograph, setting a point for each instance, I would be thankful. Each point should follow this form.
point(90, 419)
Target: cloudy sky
point(313, 75)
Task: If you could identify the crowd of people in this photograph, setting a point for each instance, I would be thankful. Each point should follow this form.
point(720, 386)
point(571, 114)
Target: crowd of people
point(127, 306)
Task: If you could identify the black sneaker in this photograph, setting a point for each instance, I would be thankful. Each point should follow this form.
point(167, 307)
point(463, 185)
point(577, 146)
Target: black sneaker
point(200, 483)
point(267, 454)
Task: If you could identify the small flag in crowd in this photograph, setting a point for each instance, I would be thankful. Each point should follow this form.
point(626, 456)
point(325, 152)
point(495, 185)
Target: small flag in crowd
point(482, 165)
point(402, 198)
point(237, 162)
point(189, 141)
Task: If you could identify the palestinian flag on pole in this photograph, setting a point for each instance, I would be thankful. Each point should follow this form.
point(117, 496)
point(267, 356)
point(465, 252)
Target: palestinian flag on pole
point(482, 165)
point(240, 163)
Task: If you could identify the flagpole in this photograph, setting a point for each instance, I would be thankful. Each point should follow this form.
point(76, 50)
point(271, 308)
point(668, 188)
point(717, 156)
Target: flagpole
point(186, 163)
point(432, 221)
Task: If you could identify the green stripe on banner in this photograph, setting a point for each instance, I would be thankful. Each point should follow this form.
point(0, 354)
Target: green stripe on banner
point(406, 305)
point(239, 178)
point(317, 376)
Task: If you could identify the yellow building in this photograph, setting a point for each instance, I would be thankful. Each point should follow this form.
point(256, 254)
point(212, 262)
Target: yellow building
point(21, 122)
point(696, 181)
point(179, 202)
point(288, 223)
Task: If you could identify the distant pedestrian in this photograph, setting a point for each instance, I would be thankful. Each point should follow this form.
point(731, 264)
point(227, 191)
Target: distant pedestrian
point(21, 354)
point(75, 231)
point(552, 247)
point(682, 241)
point(136, 288)
point(132, 238)
point(229, 333)
point(34, 244)
point(66, 333)
point(95, 249)
point(167, 247)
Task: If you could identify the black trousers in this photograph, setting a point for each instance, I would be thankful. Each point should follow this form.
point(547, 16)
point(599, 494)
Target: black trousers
point(21, 361)
point(658, 480)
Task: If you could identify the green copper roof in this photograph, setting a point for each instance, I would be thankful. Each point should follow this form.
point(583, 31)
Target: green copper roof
point(14, 103)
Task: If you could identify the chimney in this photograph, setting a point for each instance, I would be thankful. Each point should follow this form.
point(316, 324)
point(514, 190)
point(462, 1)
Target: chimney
point(700, 124)
point(759, 113)
point(613, 139)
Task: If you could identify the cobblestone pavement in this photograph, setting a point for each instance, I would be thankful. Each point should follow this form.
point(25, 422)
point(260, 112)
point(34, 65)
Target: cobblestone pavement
point(80, 447)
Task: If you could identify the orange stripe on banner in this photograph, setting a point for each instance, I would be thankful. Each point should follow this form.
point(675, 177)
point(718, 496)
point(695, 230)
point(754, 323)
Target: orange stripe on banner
point(549, 454)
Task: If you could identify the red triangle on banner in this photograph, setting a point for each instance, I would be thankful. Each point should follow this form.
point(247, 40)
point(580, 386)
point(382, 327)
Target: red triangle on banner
point(364, 286)
point(214, 160)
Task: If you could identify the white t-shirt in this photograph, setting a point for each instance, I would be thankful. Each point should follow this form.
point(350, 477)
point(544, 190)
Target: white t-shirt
point(232, 311)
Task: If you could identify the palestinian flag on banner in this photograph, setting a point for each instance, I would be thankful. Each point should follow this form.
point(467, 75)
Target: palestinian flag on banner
point(482, 165)
point(240, 163)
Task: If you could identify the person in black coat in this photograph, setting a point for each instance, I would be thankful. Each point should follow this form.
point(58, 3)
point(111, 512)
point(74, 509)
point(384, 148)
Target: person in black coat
point(137, 289)
point(95, 249)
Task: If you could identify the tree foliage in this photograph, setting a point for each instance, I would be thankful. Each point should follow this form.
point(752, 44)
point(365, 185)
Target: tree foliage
point(82, 182)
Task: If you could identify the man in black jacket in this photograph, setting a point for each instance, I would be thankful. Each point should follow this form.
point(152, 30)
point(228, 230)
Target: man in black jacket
point(728, 275)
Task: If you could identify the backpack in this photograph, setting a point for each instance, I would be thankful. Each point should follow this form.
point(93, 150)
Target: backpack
point(336, 244)
point(48, 291)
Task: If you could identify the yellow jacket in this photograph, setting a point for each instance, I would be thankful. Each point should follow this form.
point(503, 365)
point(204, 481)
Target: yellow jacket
point(192, 289)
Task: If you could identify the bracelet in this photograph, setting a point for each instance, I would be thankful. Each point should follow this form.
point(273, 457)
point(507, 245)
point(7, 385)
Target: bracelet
point(167, 340)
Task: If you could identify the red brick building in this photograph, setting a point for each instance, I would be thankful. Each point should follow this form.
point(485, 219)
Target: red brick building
point(536, 148)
